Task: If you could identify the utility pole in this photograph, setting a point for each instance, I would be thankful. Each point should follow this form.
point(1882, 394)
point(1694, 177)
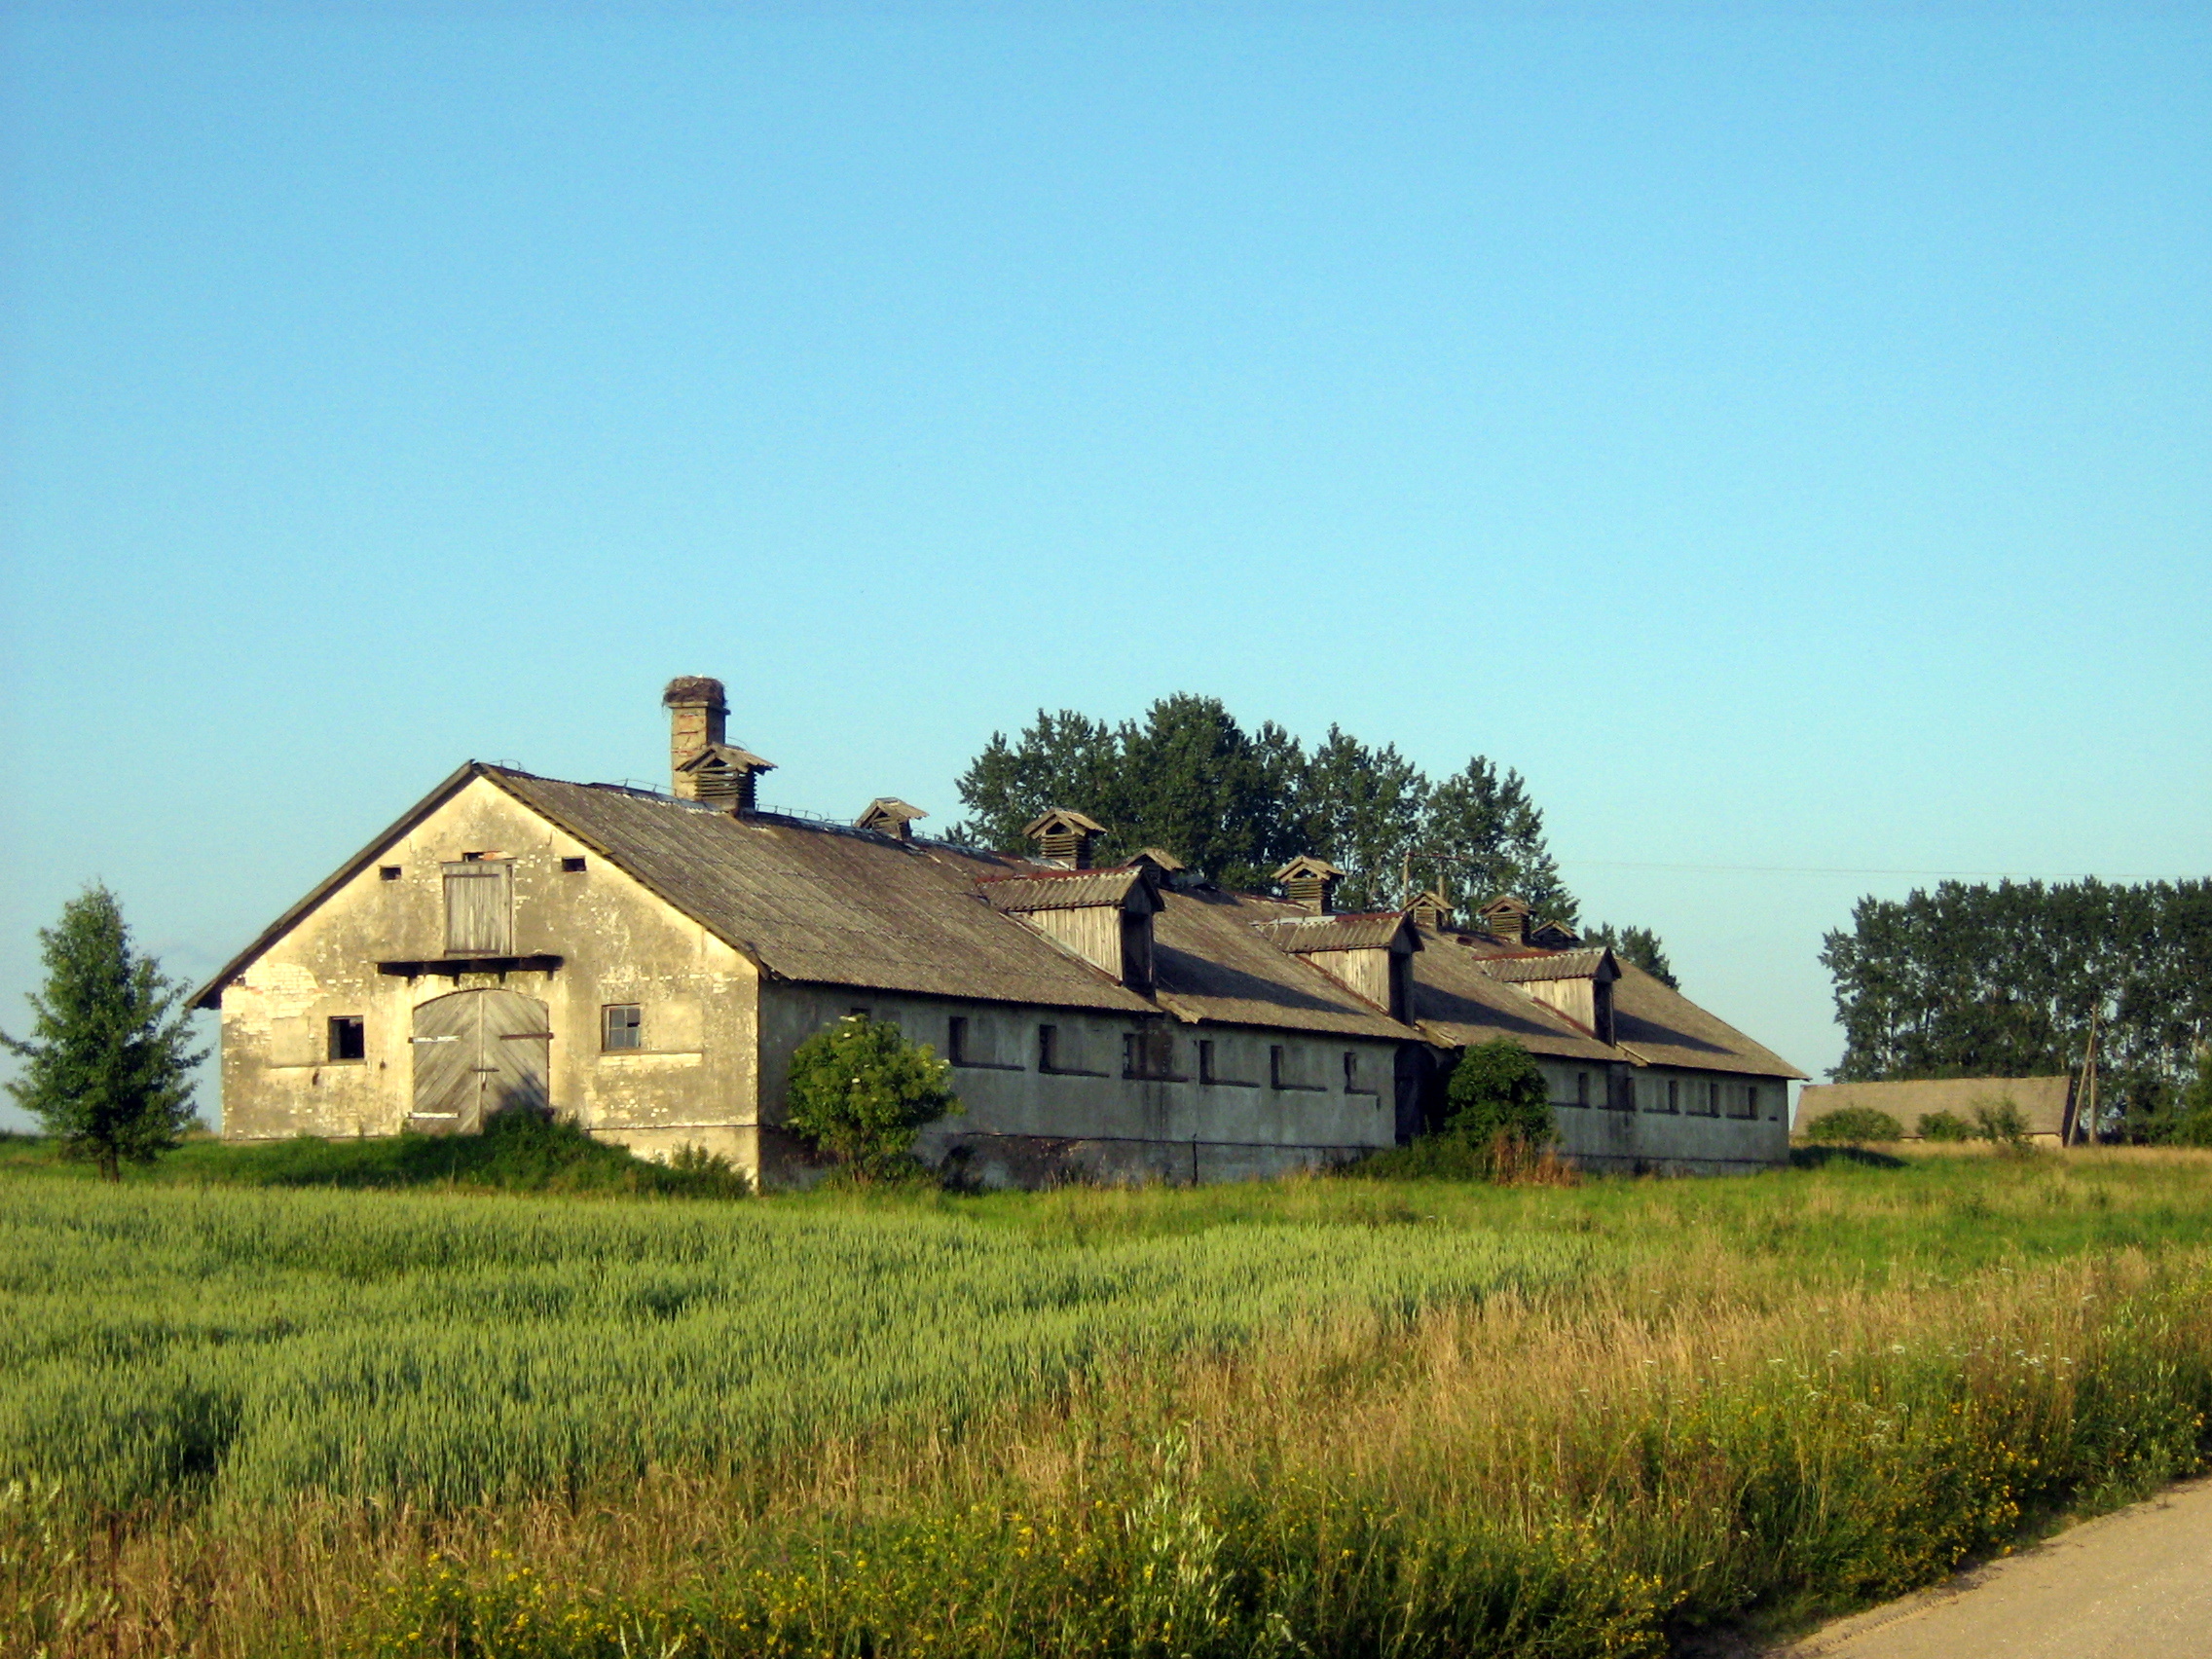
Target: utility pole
point(2086, 1097)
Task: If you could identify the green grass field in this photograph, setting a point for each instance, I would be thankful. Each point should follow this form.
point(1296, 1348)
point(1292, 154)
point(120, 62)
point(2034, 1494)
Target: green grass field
point(247, 1411)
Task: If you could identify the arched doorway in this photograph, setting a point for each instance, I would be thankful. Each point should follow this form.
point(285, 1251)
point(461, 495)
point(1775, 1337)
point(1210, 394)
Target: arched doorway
point(477, 1052)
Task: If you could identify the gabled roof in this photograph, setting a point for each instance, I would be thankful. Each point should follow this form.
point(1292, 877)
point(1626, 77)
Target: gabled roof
point(1373, 930)
point(1521, 967)
point(823, 903)
point(1210, 964)
point(210, 994)
point(1306, 864)
point(1459, 998)
point(1070, 890)
point(887, 811)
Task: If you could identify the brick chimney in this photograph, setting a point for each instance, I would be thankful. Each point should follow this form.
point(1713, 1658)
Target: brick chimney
point(698, 717)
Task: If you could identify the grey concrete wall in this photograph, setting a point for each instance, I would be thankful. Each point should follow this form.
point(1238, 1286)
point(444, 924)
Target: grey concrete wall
point(1026, 1127)
point(1650, 1139)
point(691, 1083)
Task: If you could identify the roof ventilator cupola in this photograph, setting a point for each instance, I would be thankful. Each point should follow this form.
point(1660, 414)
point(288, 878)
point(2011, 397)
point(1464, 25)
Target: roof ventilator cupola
point(1505, 918)
point(888, 815)
point(1311, 883)
point(1431, 910)
point(1064, 838)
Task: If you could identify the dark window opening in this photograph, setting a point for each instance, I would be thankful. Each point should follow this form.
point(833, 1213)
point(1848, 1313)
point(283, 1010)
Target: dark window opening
point(571, 866)
point(1673, 1095)
point(1149, 1055)
point(387, 872)
point(349, 1038)
point(1047, 1047)
point(1353, 1085)
point(1582, 1088)
point(956, 1040)
point(1288, 1070)
point(622, 1025)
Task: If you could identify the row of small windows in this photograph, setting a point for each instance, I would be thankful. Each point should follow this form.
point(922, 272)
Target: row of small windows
point(1694, 1097)
point(1152, 1056)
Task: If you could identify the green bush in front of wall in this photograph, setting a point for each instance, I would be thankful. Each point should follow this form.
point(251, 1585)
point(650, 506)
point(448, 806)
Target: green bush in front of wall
point(860, 1093)
point(1853, 1125)
point(1944, 1127)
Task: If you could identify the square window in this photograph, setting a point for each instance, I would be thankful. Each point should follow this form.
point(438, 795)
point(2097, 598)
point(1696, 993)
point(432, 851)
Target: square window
point(622, 1026)
point(348, 1039)
point(387, 872)
point(571, 866)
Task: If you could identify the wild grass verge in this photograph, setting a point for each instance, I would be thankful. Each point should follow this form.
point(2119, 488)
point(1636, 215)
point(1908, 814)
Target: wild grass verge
point(1776, 1396)
point(518, 1153)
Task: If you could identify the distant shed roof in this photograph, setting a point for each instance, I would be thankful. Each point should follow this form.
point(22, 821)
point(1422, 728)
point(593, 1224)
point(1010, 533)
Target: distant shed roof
point(2045, 1102)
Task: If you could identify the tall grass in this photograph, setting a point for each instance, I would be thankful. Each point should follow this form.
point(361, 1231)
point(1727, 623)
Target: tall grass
point(1320, 1417)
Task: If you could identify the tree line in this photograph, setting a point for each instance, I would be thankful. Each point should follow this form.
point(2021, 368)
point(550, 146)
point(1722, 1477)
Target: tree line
point(1237, 805)
point(2004, 981)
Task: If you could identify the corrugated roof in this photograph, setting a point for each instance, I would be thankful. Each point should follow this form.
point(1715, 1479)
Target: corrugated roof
point(1370, 931)
point(2042, 1100)
point(1458, 999)
point(820, 903)
point(1061, 888)
point(1210, 963)
point(1665, 1028)
point(1521, 967)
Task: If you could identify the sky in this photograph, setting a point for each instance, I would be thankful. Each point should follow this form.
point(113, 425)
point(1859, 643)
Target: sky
point(1779, 432)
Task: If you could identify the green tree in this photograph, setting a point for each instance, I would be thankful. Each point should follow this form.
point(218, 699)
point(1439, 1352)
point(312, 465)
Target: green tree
point(108, 1068)
point(860, 1093)
point(1236, 805)
point(1944, 1127)
point(1979, 980)
point(1496, 1089)
point(1481, 835)
point(1639, 945)
point(2191, 1124)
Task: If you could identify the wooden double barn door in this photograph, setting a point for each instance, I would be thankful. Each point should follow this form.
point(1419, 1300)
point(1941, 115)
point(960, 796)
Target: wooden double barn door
point(476, 1054)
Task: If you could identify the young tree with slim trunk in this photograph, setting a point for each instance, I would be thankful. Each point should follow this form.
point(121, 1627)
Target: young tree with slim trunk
point(107, 1067)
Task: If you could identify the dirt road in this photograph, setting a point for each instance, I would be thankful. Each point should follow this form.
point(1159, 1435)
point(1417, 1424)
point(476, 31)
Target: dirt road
point(2135, 1583)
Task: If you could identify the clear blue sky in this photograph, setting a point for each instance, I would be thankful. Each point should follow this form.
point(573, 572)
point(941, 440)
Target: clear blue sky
point(1780, 432)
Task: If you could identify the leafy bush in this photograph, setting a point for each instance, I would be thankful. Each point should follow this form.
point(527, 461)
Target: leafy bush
point(1497, 1089)
point(2000, 1121)
point(860, 1093)
point(1853, 1125)
point(1945, 1126)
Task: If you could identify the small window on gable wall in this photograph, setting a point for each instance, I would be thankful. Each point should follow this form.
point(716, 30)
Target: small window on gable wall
point(348, 1040)
point(387, 872)
point(571, 866)
point(622, 1025)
